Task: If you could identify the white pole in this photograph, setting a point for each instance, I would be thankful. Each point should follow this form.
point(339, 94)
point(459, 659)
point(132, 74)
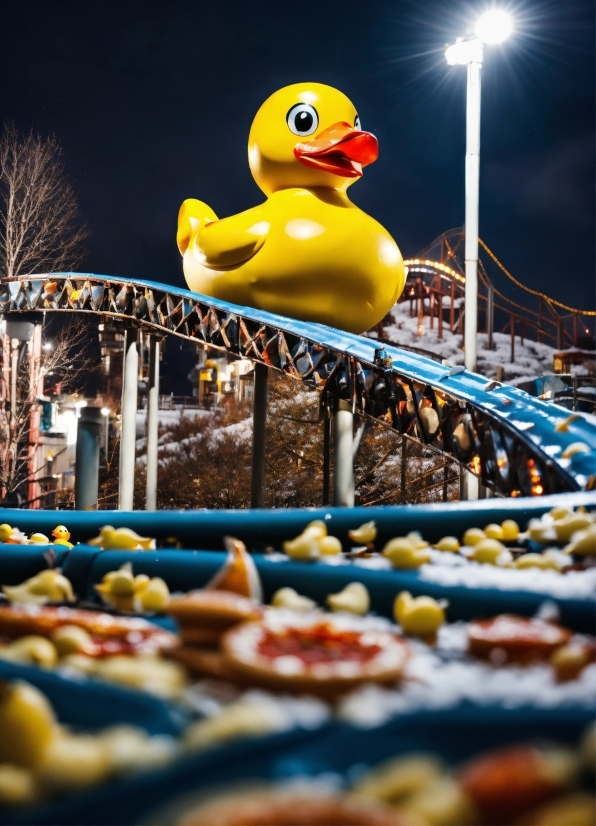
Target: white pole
point(128, 430)
point(472, 197)
point(343, 441)
point(152, 423)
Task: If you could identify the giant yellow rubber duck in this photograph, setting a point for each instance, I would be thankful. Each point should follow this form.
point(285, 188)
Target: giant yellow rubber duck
point(308, 252)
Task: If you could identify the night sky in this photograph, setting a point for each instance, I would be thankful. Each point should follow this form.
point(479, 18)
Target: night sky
point(153, 102)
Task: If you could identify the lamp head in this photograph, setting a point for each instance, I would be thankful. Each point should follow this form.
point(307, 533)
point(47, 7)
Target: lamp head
point(494, 26)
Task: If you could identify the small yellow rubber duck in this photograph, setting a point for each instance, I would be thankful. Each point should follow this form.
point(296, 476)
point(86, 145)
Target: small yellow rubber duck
point(308, 252)
point(121, 539)
point(5, 532)
point(354, 599)
point(46, 586)
point(419, 616)
point(313, 543)
point(127, 593)
point(61, 536)
point(13, 536)
point(39, 539)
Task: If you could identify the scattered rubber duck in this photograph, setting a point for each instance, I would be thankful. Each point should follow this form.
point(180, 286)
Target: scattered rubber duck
point(365, 534)
point(549, 560)
point(61, 536)
point(291, 600)
point(491, 552)
point(46, 586)
point(15, 537)
point(308, 252)
point(448, 544)
point(419, 616)
point(312, 543)
point(27, 723)
point(494, 531)
point(128, 593)
point(510, 530)
point(5, 532)
point(473, 536)
point(354, 599)
point(583, 542)
point(559, 525)
point(31, 650)
point(238, 573)
point(403, 553)
point(39, 539)
point(121, 539)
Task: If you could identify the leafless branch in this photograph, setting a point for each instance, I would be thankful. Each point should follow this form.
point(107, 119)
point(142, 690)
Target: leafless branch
point(39, 230)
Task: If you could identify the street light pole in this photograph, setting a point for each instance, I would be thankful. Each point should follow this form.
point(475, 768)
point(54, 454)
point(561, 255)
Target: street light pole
point(472, 198)
point(493, 27)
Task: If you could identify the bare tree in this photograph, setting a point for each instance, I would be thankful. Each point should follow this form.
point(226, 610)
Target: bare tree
point(67, 357)
point(39, 231)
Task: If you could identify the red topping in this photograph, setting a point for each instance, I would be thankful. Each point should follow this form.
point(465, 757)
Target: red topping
point(509, 637)
point(317, 644)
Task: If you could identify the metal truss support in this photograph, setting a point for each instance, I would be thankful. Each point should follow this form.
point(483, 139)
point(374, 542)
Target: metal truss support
point(343, 443)
point(259, 418)
point(510, 438)
point(128, 429)
point(152, 423)
point(87, 459)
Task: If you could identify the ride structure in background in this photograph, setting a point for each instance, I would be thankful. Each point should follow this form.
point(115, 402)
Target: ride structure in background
point(436, 283)
point(515, 444)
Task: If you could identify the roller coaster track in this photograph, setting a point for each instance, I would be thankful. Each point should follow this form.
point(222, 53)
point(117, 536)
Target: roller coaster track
point(516, 444)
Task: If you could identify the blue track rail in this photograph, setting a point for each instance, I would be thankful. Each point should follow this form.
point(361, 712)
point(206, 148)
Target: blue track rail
point(517, 444)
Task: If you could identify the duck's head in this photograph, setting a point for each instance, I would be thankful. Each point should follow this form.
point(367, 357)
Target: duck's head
point(61, 532)
point(308, 135)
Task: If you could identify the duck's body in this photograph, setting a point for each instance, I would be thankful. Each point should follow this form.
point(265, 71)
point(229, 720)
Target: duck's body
point(308, 252)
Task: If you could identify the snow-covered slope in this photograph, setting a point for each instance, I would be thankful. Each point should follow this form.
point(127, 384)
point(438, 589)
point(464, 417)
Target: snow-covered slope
point(531, 359)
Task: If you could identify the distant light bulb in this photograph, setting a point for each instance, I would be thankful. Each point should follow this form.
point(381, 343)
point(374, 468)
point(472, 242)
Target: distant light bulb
point(494, 26)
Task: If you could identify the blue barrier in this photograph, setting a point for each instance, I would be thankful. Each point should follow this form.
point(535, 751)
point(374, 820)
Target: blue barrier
point(259, 528)
point(453, 734)
point(184, 570)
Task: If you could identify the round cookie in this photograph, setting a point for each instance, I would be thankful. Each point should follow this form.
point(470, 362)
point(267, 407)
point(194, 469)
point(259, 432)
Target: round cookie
point(221, 609)
point(314, 655)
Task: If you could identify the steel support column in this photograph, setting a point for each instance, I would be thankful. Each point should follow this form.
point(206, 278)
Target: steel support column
point(152, 423)
point(128, 429)
point(259, 417)
point(326, 456)
point(87, 458)
point(343, 444)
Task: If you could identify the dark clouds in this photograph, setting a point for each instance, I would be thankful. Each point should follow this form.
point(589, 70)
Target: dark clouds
point(153, 102)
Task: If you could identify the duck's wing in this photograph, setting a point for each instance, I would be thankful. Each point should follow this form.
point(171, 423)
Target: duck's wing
point(232, 241)
point(192, 216)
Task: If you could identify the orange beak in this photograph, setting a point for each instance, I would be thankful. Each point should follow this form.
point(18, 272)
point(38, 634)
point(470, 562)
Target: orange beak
point(340, 149)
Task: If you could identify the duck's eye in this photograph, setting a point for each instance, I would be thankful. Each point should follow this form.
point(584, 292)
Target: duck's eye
point(357, 124)
point(303, 119)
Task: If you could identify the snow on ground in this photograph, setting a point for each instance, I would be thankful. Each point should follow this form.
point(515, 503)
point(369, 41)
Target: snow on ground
point(531, 359)
point(242, 431)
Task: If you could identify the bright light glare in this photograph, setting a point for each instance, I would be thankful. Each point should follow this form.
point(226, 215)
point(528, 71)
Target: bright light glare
point(494, 26)
point(47, 346)
point(105, 411)
point(463, 52)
